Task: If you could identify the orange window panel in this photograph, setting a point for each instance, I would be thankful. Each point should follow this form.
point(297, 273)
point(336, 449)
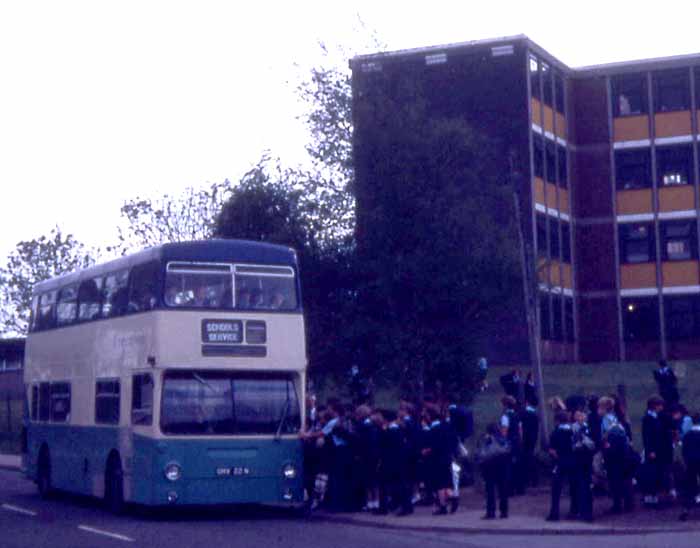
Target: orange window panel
point(563, 200)
point(631, 128)
point(548, 119)
point(677, 198)
point(672, 124)
point(680, 273)
point(630, 202)
point(551, 195)
point(539, 190)
point(555, 273)
point(561, 125)
point(536, 108)
point(566, 276)
point(635, 276)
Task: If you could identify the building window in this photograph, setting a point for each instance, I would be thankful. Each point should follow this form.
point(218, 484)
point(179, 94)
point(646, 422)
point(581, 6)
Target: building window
point(554, 246)
point(633, 169)
point(107, 402)
point(565, 242)
point(563, 172)
point(534, 78)
point(60, 402)
point(629, 95)
point(541, 223)
point(569, 318)
point(545, 323)
point(682, 317)
point(559, 93)
point(551, 162)
point(675, 165)
point(547, 84)
point(142, 400)
point(671, 90)
point(557, 324)
point(538, 156)
point(641, 319)
point(679, 240)
point(637, 243)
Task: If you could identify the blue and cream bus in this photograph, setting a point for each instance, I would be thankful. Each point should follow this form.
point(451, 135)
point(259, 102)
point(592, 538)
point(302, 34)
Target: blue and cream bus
point(171, 376)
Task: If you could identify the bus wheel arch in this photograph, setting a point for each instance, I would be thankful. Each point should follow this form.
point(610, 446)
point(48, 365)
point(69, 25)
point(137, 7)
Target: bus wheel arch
point(114, 483)
point(43, 474)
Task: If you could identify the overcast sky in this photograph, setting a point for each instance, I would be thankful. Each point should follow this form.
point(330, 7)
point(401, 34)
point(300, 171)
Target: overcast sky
point(102, 101)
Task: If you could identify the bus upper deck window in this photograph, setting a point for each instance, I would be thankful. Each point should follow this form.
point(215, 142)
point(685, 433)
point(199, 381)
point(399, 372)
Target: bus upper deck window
point(89, 299)
point(67, 308)
point(265, 288)
point(47, 311)
point(115, 294)
point(198, 285)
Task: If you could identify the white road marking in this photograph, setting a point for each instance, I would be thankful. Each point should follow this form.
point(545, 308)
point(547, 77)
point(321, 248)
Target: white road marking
point(19, 510)
point(105, 533)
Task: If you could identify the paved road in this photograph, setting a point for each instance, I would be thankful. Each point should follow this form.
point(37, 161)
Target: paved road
point(27, 521)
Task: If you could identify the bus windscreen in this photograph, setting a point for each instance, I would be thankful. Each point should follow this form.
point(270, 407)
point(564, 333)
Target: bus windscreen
point(229, 403)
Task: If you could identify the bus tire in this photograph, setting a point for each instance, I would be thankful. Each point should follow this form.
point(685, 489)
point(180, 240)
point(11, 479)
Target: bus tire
point(114, 485)
point(43, 475)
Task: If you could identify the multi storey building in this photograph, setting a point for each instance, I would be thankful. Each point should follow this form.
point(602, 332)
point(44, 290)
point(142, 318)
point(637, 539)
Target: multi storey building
point(607, 163)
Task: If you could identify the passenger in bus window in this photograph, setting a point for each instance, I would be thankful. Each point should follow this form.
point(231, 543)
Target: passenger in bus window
point(203, 298)
point(277, 302)
point(256, 299)
point(243, 299)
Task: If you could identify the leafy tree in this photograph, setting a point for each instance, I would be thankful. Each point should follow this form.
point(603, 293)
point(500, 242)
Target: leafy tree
point(34, 261)
point(436, 242)
point(268, 205)
point(171, 218)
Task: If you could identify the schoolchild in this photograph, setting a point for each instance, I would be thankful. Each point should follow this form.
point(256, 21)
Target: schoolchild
point(561, 451)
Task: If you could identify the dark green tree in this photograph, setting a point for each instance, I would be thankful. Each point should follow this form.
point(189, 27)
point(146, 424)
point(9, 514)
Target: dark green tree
point(436, 242)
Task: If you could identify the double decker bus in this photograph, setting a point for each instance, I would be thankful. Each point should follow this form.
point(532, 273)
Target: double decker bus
point(173, 376)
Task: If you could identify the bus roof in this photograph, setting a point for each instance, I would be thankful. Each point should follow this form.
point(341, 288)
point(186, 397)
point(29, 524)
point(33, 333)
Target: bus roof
point(215, 250)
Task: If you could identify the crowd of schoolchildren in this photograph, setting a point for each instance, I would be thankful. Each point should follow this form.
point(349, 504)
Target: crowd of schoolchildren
point(380, 460)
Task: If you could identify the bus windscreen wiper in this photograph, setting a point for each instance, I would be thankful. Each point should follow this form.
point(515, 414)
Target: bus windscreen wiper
point(284, 418)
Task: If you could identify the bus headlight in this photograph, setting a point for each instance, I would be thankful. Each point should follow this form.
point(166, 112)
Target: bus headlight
point(172, 471)
point(289, 471)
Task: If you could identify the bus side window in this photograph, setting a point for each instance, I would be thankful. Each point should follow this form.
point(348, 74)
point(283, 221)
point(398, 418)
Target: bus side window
point(107, 402)
point(44, 401)
point(89, 299)
point(35, 403)
point(142, 400)
point(47, 311)
point(116, 294)
point(67, 309)
point(60, 402)
point(143, 287)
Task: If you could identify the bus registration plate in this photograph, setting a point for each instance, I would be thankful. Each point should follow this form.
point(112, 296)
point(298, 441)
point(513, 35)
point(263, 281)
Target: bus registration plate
point(232, 471)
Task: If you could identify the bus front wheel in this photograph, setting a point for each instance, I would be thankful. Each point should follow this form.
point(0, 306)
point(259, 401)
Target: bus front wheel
point(114, 485)
point(43, 480)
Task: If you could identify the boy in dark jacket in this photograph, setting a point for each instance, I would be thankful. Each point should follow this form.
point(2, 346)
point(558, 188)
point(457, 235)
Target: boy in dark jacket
point(691, 456)
point(668, 383)
point(653, 439)
point(561, 449)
